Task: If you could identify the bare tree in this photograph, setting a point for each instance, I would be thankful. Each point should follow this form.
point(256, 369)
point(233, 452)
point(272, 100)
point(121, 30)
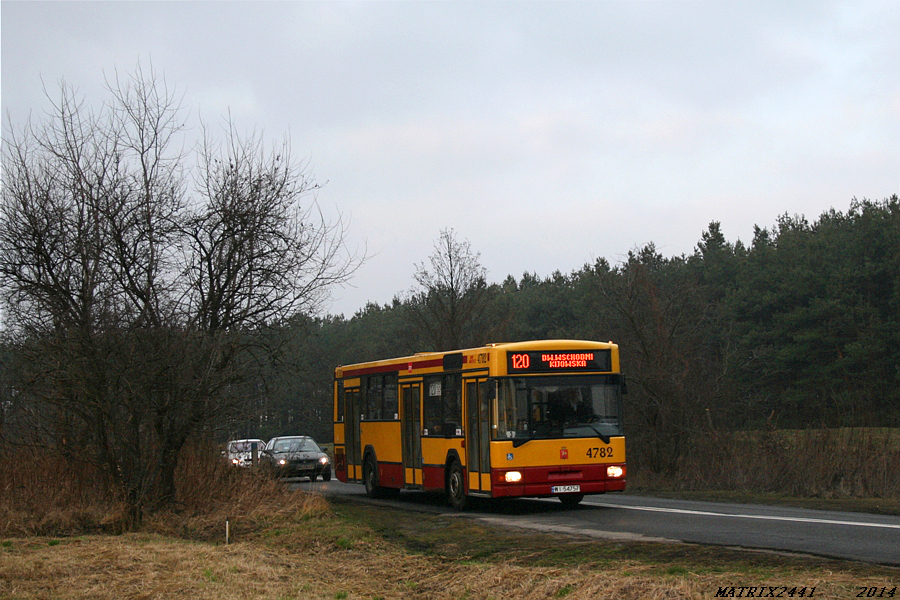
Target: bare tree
point(453, 294)
point(256, 252)
point(136, 309)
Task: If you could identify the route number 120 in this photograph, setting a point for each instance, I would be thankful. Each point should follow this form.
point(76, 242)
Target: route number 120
point(520, 361)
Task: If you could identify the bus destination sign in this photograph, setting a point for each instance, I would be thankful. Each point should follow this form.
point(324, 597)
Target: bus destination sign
point(547, 361)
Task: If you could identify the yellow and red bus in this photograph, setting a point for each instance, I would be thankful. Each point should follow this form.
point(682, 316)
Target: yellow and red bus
point(525, 419)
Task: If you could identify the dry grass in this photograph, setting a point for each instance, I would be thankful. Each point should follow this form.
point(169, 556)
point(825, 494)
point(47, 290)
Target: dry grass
point(340, 555)
point(44, 495)
point(295, 545)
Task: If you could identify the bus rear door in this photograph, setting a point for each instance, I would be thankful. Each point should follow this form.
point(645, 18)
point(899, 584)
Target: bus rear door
point(351, 434)
point(412, 435)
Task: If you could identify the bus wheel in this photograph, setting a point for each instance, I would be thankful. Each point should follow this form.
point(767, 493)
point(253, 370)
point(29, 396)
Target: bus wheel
point(456, 487)
point(370, 475)
point(571, 499)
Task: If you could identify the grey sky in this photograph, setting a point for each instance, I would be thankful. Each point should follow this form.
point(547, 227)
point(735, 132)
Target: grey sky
point(548, 134)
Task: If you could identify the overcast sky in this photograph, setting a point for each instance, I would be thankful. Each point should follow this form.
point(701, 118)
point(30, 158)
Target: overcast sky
point(547, 134)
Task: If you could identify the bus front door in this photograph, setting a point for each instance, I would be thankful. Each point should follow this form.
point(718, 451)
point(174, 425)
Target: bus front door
point(478, 431)
point(412, 432)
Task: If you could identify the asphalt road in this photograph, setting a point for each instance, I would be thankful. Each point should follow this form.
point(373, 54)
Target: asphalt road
point(852, 536)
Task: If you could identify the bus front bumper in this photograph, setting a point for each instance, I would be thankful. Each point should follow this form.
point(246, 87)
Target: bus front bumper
point(555, 481)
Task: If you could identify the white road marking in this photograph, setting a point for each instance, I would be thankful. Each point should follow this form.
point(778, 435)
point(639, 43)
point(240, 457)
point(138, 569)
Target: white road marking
point(742, 516)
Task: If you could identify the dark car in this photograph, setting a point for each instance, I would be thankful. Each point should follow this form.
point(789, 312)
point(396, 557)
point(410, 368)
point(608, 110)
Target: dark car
point(296, 456)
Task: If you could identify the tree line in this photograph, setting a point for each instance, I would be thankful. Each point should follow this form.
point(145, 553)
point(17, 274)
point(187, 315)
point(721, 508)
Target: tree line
point(800, 328)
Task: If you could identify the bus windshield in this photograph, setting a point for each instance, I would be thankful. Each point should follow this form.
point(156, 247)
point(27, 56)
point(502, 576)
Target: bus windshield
point(558, 407)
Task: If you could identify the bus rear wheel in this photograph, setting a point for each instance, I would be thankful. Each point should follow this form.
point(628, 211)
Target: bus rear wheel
point(456, 486)
point(370, 478)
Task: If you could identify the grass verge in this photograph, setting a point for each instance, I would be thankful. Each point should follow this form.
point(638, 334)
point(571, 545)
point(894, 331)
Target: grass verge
point(348, 551)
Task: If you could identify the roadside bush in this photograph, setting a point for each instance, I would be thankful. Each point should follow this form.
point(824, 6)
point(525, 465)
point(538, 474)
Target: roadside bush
point(49, 494)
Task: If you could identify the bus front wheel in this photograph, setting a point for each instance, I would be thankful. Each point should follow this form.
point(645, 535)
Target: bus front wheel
point(571, 499)
point(456, 486)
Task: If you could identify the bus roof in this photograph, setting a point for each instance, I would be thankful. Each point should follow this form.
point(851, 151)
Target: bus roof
point(429, 360)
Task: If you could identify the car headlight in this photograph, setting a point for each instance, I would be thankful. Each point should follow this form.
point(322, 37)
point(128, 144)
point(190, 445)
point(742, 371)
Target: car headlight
point(282, 462)
point(235, 461)
point(324, 460)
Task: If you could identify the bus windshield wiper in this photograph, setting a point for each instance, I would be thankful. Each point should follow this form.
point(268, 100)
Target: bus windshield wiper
point(599, 433)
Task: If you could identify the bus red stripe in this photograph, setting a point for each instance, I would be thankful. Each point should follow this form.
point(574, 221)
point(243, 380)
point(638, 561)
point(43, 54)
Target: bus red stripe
point(394, 368)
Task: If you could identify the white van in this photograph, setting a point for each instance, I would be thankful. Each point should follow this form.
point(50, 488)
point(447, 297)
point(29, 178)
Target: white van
point(240, 453)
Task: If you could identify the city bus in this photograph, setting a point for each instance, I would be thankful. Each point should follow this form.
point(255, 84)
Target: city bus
point(523, 419)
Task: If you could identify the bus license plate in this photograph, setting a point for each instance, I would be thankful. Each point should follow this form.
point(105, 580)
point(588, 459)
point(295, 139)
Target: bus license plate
point(565, 489)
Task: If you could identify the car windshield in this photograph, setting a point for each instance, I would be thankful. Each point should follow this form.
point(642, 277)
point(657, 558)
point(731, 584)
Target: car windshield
point(295, 445)
point(558, 407)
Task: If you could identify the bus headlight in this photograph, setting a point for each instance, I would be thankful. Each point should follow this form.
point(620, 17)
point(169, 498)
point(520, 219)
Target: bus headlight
point(614, 471)
point(512, 477)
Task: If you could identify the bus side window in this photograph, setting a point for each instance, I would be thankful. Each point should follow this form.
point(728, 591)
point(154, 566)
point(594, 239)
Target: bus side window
point(372, 398)
point(431, 414)
point(391, 411)
point(442, 407)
